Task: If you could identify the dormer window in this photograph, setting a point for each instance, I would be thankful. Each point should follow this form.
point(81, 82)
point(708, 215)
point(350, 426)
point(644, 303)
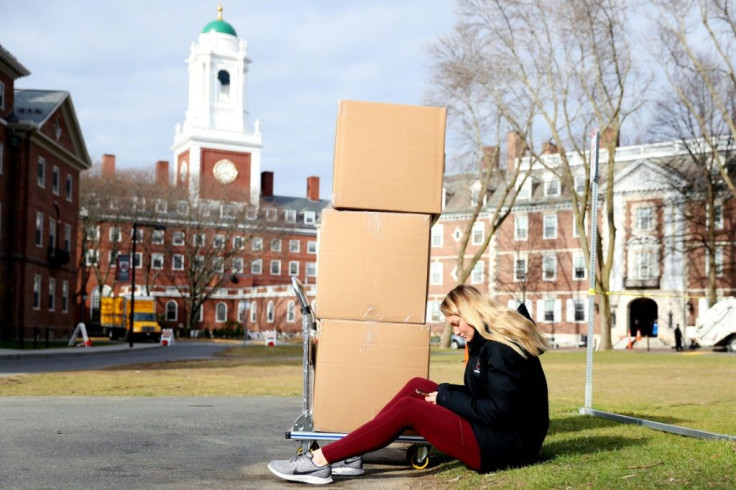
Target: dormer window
point(525, 191)
point(552, 187)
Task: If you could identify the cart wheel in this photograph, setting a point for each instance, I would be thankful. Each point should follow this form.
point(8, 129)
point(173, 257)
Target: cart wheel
point(418, 456)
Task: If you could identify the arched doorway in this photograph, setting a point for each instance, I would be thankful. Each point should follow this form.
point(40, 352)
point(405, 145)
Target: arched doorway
point(642, 315)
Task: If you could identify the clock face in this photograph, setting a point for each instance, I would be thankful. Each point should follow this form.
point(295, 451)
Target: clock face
point(225, 171)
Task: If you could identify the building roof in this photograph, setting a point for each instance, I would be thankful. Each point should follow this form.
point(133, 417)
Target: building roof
point(296, 203)
point(219, 25)
point(12, 63)
point(35, 106)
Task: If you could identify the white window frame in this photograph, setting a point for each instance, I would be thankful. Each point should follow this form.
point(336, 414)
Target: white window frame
point(41, 172)
point(552, 229)
point(478, 274)
point(521, 227)
point(238, 243)
point(578, 258)
point(199, 239)
point(644, 218)
point(221, 312)
point(256, 267)
point(552, 187)
point(310, 217)
point(52, 294)
point(293, 267)
point(218, 241)
point(270, 312)
point(65, 297)
point(67, 237)
point(294, 246)
point(157, 260)
point(37, 291)
point(438, 231)
point(436, 273)
point(175, 310)
point(257, 244)
point(521, 259)
point(39, 229)
point(549, 267)
point(274, 268)
point(177, 262)
point(571, 308)
point(271, 214)
point(253, 312)
point(115, 234)
point(178, 239)
point(157, 237)
point(553, 307)
point(69, 188)
point(311, 247)
point(238, 265)
point(290, 312)
point(55, 180)
point(276, 245)
point(290, 215)
point(477, 233)
point(311, 269)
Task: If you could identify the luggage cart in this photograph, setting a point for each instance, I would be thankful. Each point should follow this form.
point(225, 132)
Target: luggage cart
point(417, 454)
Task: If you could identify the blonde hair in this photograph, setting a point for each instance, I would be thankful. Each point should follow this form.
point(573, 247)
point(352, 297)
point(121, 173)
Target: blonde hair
point(493, 321)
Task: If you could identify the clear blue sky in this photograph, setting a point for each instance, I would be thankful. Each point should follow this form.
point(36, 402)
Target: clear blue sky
point(124, 64)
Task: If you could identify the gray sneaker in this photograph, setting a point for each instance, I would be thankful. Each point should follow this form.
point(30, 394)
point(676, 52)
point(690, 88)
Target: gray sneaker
point(348, 467)
point(301, 468)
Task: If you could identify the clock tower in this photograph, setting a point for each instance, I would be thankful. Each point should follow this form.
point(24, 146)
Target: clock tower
point(217, 153)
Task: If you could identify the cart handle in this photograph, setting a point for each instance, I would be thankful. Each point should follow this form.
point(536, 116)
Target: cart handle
point(299, 291)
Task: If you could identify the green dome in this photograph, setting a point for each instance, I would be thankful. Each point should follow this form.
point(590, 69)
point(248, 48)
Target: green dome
point(219, 25)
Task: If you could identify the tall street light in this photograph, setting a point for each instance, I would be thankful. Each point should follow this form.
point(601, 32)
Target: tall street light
point(131, 315)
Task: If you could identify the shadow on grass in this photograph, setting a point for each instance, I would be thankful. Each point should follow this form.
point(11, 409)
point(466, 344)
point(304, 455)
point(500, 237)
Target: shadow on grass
point(552, 450)
point(576, 423)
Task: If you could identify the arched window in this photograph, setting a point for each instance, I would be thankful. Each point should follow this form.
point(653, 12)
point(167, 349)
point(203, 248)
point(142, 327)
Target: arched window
point(270, 310)
point(172, 311)
point(221, 313)
point(290, 316)
point(224, 78)
point(253, 313)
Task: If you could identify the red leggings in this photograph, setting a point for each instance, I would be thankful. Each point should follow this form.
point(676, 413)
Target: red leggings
point(440, 427)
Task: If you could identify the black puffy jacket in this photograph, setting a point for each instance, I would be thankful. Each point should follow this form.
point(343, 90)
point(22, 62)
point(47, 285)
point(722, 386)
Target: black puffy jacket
point(505, 400)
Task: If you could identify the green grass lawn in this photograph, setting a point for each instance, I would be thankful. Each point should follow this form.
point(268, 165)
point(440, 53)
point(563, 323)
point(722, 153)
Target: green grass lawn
point(693, 390)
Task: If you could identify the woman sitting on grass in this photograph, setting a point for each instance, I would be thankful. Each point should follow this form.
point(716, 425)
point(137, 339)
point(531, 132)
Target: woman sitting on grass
point(498, 418)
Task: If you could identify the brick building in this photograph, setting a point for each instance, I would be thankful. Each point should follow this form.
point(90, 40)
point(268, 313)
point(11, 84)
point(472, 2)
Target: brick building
point(226, 246)
point(659, 265)
point(42, 153)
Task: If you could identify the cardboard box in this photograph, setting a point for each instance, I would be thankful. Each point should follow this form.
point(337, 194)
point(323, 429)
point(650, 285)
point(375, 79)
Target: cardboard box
point(373, 266)
point(361, 366)
point(389, 157)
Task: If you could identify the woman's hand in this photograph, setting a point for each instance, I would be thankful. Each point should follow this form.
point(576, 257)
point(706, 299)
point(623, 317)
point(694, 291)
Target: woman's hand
point(431, 397)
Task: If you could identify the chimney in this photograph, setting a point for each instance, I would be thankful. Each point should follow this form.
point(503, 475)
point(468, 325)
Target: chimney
point(313, 188)
point(610, 138)
point(491, 156)
point(162, 173)
point(549, 148)
point(108, 166)
point(267, 184)
point(515, 148)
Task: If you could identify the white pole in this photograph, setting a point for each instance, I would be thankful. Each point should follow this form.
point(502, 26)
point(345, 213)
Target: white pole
point(593, 251)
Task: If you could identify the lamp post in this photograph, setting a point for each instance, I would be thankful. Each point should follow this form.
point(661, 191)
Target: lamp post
point(131, 314)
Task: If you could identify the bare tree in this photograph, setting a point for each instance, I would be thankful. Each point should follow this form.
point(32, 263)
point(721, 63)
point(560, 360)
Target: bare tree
point(691, 117)
point(557, 69)
point(696, 46)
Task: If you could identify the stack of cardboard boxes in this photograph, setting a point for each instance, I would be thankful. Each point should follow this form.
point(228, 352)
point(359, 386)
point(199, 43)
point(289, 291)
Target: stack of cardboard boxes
point(373, 260)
